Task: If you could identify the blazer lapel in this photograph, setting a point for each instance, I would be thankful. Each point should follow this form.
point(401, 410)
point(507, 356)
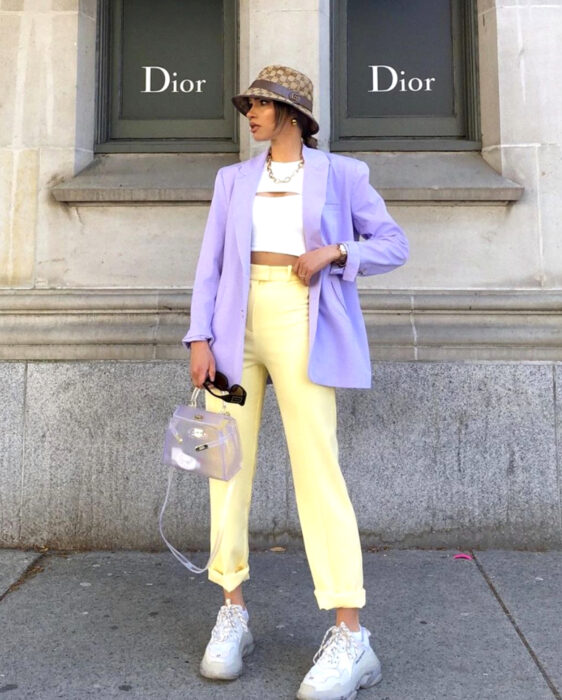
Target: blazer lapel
point(315, 181)
point(243, 194)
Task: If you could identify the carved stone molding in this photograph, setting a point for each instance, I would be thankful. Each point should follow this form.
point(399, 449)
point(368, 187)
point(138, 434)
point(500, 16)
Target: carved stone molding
point(402, 325)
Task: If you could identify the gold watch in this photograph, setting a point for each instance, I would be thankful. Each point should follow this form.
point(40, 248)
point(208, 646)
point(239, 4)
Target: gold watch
point(340, 262)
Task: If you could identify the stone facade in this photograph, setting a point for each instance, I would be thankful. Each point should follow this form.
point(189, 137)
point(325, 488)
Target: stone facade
point(456, 443)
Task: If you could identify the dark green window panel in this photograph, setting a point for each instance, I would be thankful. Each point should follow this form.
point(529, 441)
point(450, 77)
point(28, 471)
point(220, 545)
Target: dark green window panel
point(164, 70)
point(404, 75)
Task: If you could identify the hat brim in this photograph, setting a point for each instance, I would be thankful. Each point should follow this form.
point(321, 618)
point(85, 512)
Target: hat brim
point(242, 104)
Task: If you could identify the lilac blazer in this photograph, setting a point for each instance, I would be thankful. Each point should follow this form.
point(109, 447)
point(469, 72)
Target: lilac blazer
point(339, 205)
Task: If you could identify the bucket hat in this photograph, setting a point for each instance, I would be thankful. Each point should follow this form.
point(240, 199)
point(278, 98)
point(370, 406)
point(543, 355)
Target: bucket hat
point(282, 84)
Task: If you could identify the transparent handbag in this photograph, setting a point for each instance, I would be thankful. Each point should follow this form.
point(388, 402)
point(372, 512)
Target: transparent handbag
point(205, 443)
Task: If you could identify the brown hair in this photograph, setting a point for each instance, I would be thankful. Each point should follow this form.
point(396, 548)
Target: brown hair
point(284, 111)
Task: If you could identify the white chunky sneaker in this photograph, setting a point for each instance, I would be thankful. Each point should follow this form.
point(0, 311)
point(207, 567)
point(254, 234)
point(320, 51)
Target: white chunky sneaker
point(342, 665)
point(230, 641)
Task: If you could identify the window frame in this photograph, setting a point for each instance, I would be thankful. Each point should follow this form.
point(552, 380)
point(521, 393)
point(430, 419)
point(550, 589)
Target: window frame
point(465, 85)
point(108, 91)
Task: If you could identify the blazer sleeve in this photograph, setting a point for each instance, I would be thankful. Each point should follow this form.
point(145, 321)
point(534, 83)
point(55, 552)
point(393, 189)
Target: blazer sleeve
point(384, 246)
point(209, 267)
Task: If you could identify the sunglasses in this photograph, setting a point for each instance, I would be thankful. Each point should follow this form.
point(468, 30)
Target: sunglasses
point(233, 394)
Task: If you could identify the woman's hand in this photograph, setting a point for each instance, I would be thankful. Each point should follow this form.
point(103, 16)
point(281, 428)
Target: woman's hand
point(313, 261)
point(202, 363)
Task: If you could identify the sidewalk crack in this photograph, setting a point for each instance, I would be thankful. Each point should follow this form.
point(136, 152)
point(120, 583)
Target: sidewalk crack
point(32, 570)
point(518, 630)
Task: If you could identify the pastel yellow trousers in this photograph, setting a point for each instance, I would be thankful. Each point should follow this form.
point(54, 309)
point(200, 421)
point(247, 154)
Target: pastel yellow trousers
point(276, 342)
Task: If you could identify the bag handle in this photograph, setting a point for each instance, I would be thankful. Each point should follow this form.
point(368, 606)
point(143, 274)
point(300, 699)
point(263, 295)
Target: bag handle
point(177, 554)
point(195, 395)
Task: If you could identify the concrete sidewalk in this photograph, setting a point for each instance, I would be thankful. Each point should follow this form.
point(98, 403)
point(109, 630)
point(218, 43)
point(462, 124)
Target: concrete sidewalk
point(134, 625)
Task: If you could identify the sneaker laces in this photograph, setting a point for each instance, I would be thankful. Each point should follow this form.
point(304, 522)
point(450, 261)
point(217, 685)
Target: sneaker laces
point(337, 640)
point(228, 621)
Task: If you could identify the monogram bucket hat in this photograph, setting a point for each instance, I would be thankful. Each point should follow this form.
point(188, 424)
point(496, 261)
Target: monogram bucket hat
point(282, 84)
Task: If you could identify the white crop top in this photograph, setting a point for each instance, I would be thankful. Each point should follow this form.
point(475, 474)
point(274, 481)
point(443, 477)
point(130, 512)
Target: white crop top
point(277, 221)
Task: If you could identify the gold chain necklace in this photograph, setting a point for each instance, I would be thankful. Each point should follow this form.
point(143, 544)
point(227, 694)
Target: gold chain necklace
point(285, 179)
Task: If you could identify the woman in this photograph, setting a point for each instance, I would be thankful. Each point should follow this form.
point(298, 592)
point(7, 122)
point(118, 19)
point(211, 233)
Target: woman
point(275, 295)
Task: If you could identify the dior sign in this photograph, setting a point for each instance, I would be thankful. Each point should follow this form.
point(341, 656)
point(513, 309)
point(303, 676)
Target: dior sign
point(158, 79)
point(393, 79)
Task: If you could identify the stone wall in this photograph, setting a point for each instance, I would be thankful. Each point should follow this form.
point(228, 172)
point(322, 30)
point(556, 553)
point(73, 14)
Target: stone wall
point(436, 454)
point(457, 442)
point(47, 135)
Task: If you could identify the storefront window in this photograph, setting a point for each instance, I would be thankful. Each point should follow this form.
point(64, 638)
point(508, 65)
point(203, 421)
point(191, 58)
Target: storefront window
point(164, 68)
point(404, 75)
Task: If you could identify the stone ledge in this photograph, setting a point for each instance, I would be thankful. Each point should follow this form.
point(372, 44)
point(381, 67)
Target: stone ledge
point(145, 324)
point(145, 177)
point(189, 177)
point(438, 177)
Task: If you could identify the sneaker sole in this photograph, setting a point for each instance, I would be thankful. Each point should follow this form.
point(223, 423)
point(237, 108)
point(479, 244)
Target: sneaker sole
point(370, 679)
point(217, 673)
point(367, 681)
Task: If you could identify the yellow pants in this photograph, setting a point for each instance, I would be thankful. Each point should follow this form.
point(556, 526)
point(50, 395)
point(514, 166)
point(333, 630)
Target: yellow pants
point(276, 342)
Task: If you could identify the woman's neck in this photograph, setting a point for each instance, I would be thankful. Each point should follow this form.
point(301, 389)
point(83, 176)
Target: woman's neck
point(286, 150)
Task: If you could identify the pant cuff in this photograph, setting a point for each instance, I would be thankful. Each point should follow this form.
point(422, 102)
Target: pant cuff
point(352, 599)
point(229, 581)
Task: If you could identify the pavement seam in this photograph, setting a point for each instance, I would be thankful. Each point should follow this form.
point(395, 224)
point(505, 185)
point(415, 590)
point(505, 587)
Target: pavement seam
point(517, 629)
point(31, 570)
